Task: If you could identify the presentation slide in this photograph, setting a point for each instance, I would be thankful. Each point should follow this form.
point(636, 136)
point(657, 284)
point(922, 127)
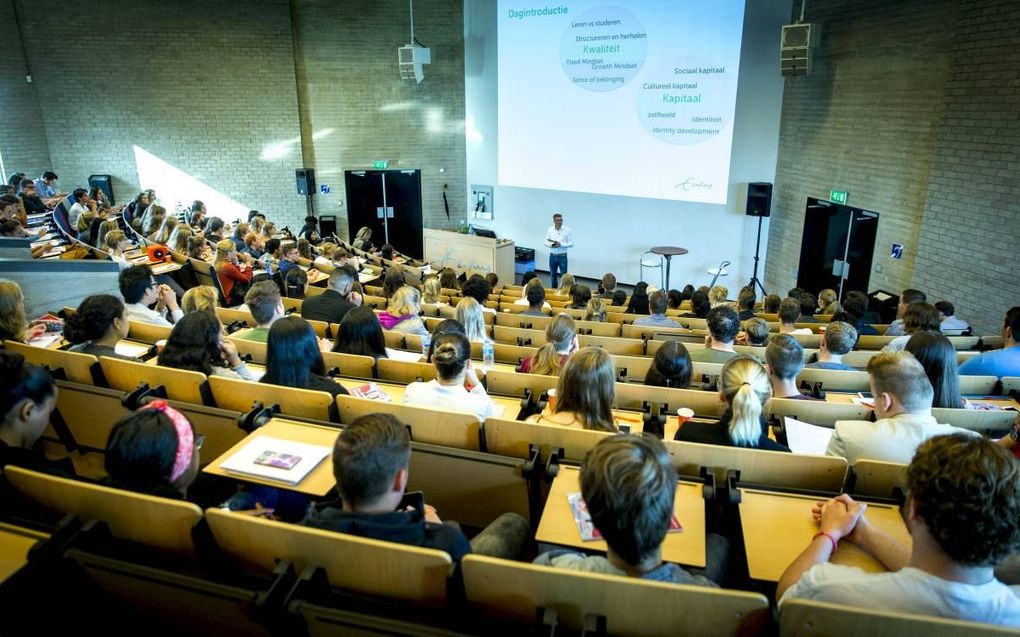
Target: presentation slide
point(635, 99)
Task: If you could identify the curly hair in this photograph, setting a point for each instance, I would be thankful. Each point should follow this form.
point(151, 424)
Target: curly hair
point(966, 489)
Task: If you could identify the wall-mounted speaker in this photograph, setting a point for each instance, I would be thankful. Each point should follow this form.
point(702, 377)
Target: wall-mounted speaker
point(795, 48)
point(759, 199)
point(305, 181)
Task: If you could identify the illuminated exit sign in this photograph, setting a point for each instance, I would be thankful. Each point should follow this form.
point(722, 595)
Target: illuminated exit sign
point(838, 196)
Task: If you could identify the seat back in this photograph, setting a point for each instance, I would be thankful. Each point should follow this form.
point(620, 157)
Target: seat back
point(405, 372)
point(180, 384)
point(514, 438)
point(836, 379)
point(383, 569)
point(615, 345)
point(875, 478)
point(350, 365)
point(77, 367)
point(978, 385)
point(433, 426)
point(1009, 384)
point(996, 421)
point(519, 592)
point(241, 395)
point(756, 466)
point(148, 332)
point(704, 403)
point(816, 412)
point(500, 383)
point(153, 521)
point(809, 618)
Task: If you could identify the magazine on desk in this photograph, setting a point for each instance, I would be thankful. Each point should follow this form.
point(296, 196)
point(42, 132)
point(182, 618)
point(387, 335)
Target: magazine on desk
point(275, 459)
point(586, 527)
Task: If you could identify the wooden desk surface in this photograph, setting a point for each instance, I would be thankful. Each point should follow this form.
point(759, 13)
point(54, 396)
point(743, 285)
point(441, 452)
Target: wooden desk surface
point(317, 483)
point(686, 547)
point(15, 543)
point(1003, 402)
point(778, 526)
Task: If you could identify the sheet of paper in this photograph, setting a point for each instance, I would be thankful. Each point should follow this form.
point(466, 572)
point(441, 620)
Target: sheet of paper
point(806, 438)
point(46, 340)
point(134, 350)
point(403, 355)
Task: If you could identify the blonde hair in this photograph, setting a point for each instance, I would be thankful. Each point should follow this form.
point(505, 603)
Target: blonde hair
point(718, 294)
point(178, 241)
point(162, 235)
point(469, 313)
point(223, 249)
point(587, 388)
point(566, 284)
point(152, 218)
point(745, 385)
point(828, 301)
point(12, 311)
point(596, 310)
point(558, 335)
point(406, 301)
point(200, 298)
point(112, 238)
point(327, 249)
point(256, 224)
point(105, 228)
point(431, 290)
point(364, 234)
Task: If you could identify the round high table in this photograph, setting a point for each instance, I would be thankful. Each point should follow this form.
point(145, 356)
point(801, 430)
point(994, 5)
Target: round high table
point(668, 252)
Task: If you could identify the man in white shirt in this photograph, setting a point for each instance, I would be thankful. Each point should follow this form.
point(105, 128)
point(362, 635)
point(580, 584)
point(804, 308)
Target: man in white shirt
point(903, 397)
point(789, 313)
point(80, 199)
point(963, 514)
point(558, 238)
point(140, 290)
point(948, 321)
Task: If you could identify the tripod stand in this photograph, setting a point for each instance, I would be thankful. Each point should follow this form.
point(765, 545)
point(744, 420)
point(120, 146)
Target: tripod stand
point(757, 249)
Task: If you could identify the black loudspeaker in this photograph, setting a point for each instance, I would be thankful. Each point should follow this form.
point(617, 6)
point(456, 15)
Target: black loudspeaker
point(305, 181)
point(105, 183)
point(759, 199)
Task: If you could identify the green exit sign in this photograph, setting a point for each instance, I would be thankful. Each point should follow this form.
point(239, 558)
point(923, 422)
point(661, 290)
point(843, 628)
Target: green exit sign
point(838, 196)
point(381, 164)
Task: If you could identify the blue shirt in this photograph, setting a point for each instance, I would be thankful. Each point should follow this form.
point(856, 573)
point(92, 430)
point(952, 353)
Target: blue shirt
point(44, 191)
point(286, 265)
point(998, 363)
point(655, 320)
point(829, 365)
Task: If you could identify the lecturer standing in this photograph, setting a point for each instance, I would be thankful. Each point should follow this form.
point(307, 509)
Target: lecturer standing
point(558, 238)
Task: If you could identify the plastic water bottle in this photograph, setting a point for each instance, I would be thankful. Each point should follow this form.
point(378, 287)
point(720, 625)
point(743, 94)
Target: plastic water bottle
point(488, 354)
point(426, 343)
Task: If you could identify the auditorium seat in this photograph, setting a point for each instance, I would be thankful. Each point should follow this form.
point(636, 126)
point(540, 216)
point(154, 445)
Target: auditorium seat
point(433, 426)
point(809, 618)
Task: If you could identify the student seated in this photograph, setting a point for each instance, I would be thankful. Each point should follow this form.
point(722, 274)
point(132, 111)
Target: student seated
point(723, 325)
point(789, 313)
point(638, 303)
point(154, 451)
point(580, 296)
point(963, 514)
point(700, 306)
point(718, 294)
point(828, 302)
point(371, 464)
point(909, 296)
point(619, 298)
point(266, 306)
point(456, 386)
point(477, 288)
point(785, 358)
point(295, 283)
point(948, 320)
point(140, 290)
point(492, 279)
point(629, 487)
point(808, 307)
point(918, 317)
point(657, 305)
point(469, 313)
point(362, 240)
point(361, 334)
point(839, 339)
point(674, 298)
point(745, 303)
point(392, 281)
point(856, 303)
point(561, 342)
point(431, 290)
point(671, 367)
point(771, 303)
point(903, 397)
point(567, 284)
point(293, 358)
point(937, 356)
point(27, 398)
point(755, 332)
point(595, 310)
point(201, 298)
point(744, 387)
point(288, 257)
point(534, 298)
point(13, 325)
point(585, 393)
point(999, 362)
point(339, 298)
point(196, 344)
point(99, 323)
point(402, 312)
point(607, 286)
point(448, 279)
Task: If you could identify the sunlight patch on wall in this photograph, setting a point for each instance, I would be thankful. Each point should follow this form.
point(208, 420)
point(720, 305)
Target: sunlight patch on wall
point(174, 188)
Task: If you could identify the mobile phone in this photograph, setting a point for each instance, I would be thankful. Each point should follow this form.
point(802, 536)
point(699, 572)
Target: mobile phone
point(624, 428)
point(414, 500)
point(277, 460)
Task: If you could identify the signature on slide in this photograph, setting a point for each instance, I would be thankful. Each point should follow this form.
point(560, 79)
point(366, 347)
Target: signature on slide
point(690, 183)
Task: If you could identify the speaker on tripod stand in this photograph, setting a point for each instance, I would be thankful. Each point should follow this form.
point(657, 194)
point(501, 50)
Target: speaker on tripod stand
point(759, 204)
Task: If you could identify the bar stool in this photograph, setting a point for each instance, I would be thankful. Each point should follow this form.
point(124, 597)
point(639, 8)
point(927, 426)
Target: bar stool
point(650, 260)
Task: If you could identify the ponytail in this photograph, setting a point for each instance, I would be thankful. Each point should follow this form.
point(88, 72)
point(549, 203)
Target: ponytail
point(745, 417)
point(546, 361)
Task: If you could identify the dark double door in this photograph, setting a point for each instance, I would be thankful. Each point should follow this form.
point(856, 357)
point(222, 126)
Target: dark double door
point(837, 247)
point(388, 202)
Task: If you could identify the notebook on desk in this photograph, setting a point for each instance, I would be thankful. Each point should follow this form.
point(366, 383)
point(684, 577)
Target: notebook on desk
point(275, 459)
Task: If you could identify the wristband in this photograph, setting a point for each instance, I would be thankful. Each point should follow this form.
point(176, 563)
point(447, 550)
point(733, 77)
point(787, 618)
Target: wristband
point(835, 544)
